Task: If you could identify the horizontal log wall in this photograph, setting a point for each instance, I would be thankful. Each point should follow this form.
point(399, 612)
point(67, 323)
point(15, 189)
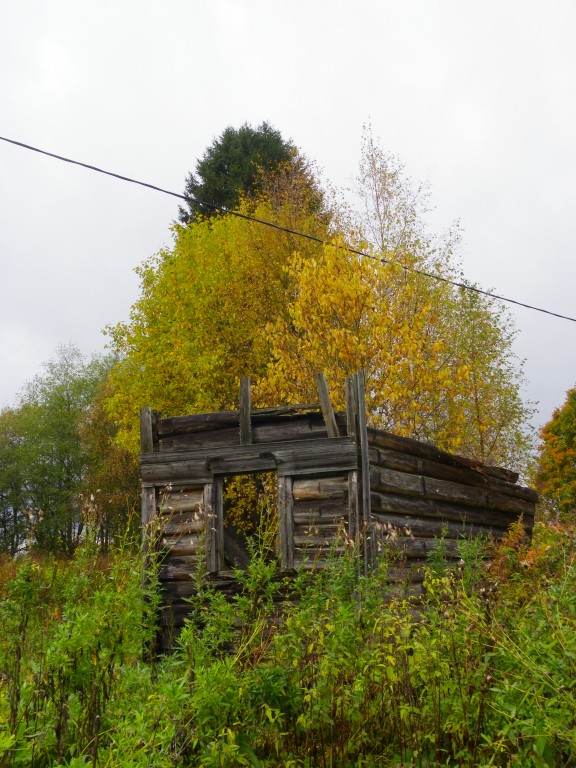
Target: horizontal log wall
point(418, 493)
point(181, 521)
point(395, 492)
point(321, 518)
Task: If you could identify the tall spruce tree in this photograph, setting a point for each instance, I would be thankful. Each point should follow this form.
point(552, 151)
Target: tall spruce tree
point(233, 165)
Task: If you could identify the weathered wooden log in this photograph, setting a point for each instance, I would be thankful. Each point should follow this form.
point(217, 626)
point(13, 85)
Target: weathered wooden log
point(322, 537)
point(382, 439)
point(304, 453)
point(146, 431)
point(182, 523)
point(296, 428)
point(314, 457)
point(506, 503)
point(416, 548)
point(318, 512)
point(455, 492)
point(286, 522)
point(326, 405)
point(390, 481)
point(200, 422)
point(302, 428)
point(207, 439)
point(178, 568)
point(432, 527)
point(439, 510)
point(188, 544)
point(320, 488)
point(381, 457)
point(237, 465)
point(192, 471)
point(313, 559)
point(353, 504)
point(172, 502)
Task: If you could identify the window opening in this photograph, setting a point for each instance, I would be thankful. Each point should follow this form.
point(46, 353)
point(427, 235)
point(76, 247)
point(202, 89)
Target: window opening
point(250, 506)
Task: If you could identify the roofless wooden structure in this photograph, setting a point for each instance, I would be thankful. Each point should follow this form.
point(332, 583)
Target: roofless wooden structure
point(332, 471)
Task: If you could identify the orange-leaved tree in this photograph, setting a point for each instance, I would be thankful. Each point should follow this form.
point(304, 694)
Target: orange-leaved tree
point(556, 473)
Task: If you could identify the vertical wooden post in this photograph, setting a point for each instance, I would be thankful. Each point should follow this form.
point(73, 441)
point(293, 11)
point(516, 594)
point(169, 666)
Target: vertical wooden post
point(245, 420)
point(364, 472)
point(148, 498)
point(351, 407)
point(286, 522)
point(214, 521)
point(148, 506)
point(352, 431)
point(146, 434)
point(326, 405)
point(148, 514)
point(353, 506)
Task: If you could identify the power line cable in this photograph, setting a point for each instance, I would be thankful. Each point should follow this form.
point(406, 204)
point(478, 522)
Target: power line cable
point(281, 228)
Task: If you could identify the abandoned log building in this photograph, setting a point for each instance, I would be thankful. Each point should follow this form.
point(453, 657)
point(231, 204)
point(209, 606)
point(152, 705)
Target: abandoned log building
point(332, 472)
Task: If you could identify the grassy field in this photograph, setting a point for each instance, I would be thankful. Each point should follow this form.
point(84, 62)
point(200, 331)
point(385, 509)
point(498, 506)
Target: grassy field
point(481, 673)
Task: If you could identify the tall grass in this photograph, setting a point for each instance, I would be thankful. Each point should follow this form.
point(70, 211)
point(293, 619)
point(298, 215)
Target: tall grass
point(329, 669)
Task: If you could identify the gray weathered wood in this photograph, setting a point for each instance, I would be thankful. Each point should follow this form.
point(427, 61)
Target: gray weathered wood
point(183, 523)
point(310, 446)
point(185, 500)
point(301, 428)
point(392, 491)
point(245, 420)
point(326, 405)
point(364, 469)
point(182, 544)
point(439, 510)
point(353, 505)
point(148, 510)
point(243, 464)
point(308, 513)
point(194, 471)
point(211, 536)
point(351, 407)
point(146, 434)
point(316, 456)
point(387, 480)
point(286, 522)
point(396, 460)
point(380, 438)
point(201, 422)
point(412, 547)
point(320, 488)
point(431, 527)
point(178, 568)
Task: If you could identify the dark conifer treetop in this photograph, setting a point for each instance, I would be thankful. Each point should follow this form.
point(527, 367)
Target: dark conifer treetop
point(232, 165)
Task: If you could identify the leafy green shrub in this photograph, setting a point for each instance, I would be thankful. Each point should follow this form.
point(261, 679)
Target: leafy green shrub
point(327, 668)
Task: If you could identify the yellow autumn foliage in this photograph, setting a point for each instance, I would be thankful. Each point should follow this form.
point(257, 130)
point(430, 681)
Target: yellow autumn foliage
point(234, 298)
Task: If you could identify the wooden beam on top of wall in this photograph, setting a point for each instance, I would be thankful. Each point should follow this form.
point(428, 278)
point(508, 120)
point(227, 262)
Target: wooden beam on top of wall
point(326, 405)
point(146, 434)
point(245, 419)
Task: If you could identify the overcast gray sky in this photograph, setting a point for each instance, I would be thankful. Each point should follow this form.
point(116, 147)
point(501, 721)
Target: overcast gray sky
point(478, 98)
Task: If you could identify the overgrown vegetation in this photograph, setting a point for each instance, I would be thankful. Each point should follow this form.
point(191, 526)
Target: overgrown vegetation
point(334, 670)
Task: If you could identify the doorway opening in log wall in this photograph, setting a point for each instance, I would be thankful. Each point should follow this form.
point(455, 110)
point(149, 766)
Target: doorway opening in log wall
point(250, 507)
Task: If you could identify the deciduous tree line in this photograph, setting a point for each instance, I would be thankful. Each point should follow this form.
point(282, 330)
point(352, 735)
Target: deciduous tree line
point(233, 297)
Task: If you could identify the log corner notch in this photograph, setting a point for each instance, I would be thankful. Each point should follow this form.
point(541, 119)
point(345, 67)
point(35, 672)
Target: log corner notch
point(332, 469)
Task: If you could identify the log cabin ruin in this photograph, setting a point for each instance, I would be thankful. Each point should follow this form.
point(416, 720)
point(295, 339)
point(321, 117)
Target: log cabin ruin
point(334, 476)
